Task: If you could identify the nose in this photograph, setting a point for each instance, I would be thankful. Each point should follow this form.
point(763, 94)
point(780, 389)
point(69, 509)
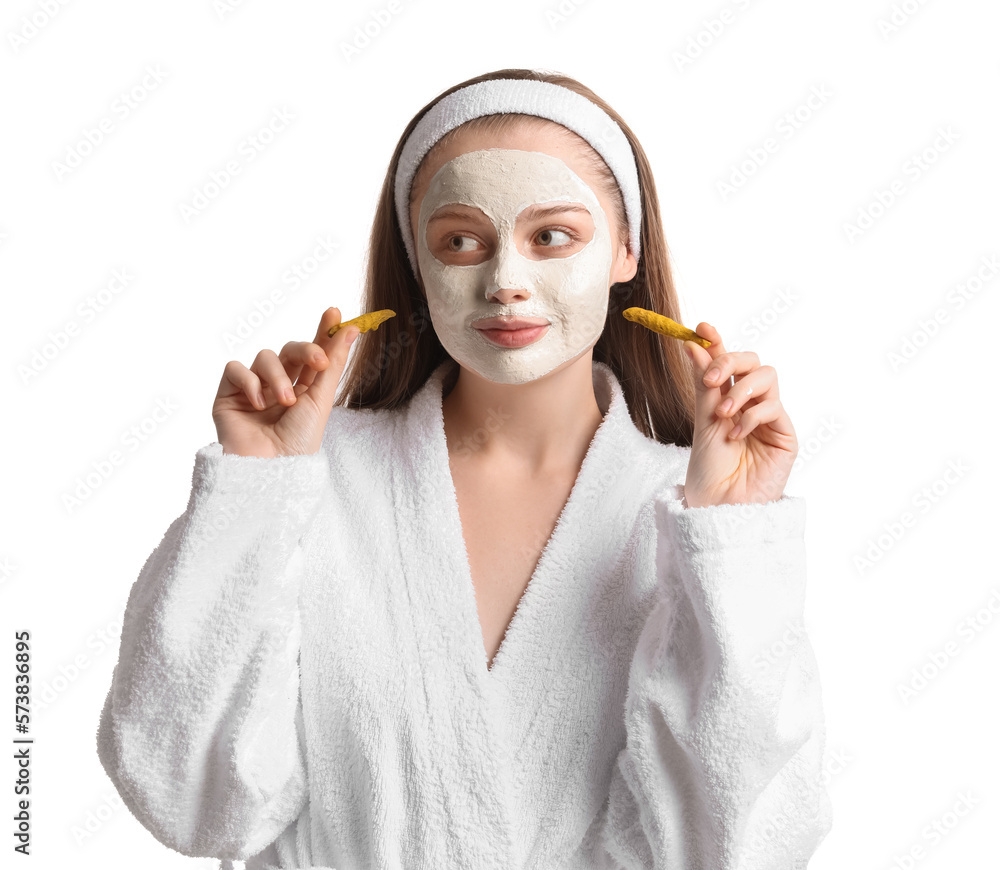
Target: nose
point(507, 295)
point(510, 280)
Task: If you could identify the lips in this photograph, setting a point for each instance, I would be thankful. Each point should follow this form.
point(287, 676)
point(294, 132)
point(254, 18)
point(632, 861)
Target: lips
point(509, 322)
point(509, 331)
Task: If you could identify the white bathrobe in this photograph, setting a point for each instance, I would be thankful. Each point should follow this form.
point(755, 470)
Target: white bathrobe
point(302, 679)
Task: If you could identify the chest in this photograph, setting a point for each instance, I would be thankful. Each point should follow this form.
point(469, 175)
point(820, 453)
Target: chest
point(506, 524)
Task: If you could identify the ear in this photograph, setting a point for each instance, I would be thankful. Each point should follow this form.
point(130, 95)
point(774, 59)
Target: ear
point(625, 266)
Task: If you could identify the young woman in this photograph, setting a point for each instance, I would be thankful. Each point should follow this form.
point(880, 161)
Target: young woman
point(528, 593)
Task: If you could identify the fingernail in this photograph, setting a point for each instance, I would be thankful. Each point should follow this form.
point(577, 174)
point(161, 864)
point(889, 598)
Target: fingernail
point(713, 376)
point(319, 358)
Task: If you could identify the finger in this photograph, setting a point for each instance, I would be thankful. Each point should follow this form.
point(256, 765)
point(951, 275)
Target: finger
point(302, 357)
point(238, 379)
point(331, 317)
point(736, 363)
point(706, 397)
point(319, 360)
point(706, 330)
point(771, 413)
point(308, 374)
point(760, 385)
point(272, 373)
point(323, 387)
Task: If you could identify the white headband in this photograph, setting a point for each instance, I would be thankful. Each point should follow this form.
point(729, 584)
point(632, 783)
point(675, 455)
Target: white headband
point(529, 97)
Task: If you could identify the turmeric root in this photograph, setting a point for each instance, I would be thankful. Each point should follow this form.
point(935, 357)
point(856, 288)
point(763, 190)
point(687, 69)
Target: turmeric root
point(663, 325)
point(371, 320)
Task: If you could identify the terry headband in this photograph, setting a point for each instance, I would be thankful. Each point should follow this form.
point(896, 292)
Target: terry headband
point(528, 97)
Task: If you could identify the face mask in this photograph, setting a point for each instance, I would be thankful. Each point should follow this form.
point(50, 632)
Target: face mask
point(571, 292)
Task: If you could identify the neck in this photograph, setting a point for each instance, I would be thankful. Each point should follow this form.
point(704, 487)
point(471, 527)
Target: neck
point(542, 426)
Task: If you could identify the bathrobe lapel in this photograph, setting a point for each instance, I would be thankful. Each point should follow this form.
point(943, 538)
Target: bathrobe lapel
point(486, 715)
point(472, 784)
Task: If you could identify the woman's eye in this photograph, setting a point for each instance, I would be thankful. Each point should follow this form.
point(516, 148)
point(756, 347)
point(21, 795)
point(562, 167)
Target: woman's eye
point(553, 238)
point(461, 244)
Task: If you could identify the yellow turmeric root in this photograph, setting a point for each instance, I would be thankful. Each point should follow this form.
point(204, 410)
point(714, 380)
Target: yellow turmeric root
point(371, 320)
point(663, 325)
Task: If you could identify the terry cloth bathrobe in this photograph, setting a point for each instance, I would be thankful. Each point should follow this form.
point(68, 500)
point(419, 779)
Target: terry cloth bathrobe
point(302, 679)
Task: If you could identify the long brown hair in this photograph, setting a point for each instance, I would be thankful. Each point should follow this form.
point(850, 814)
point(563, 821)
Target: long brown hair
point(393, 362)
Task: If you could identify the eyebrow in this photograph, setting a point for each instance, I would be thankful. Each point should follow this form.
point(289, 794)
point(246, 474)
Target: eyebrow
point(531, 212)
point(543, 211)
point(459, 214)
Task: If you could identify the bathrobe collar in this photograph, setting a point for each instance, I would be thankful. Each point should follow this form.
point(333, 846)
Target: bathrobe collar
point(619, 460)
point(490, 714)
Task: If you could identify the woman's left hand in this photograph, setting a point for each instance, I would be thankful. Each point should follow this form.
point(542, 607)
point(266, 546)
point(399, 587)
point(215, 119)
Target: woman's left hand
point(744, 453)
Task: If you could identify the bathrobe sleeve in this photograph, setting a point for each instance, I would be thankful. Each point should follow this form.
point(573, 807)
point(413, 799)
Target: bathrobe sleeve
point(201, 729)
point(724, 721)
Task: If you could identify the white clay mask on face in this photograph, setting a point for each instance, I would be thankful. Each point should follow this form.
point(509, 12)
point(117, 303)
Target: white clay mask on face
point(570, 292)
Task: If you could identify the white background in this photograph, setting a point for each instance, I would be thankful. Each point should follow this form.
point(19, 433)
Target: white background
point(831, 310)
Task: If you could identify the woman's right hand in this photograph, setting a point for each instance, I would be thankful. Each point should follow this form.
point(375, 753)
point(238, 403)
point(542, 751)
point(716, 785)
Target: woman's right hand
point(279, 406)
